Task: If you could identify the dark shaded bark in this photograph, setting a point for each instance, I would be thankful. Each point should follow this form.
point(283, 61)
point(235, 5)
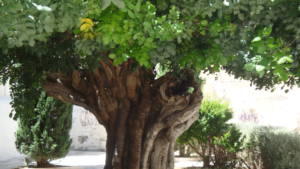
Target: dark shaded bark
point(143, 116)
point(43, 162)
point(206, 161)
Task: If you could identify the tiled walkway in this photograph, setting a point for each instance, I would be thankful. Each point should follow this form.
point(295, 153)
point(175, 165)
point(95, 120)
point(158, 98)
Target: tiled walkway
point(88, 160)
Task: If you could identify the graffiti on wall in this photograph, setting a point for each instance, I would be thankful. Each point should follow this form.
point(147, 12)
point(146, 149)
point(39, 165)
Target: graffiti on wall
point(298, 122)
point(88, 119)
point(82, 139)
point(249, 117)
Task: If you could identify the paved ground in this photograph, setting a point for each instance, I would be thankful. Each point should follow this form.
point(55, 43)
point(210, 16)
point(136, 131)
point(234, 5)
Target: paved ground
point(88, 160)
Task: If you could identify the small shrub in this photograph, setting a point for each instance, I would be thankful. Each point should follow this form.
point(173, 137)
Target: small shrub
point(268, 147)
point(203, 134)
point(45, 136)
point(226, 148)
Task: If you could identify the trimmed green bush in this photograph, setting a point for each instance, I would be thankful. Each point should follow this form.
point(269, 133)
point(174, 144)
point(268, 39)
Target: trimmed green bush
point(45, 136)
point(211, 137)
point(267, 147)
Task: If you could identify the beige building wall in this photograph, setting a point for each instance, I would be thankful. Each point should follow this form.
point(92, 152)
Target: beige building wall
point(255, 106)
point(86, 132)
point(7, 127)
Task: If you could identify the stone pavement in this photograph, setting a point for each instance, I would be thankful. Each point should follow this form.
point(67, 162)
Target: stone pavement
point(86, 159)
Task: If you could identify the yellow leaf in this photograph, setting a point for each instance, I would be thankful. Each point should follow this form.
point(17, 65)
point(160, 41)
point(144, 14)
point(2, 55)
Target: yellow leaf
point(83, 27)
point(86, 27)
point(90, 27)
point(86, 35)
point(81, 21)
point(91, 36)
point(89, 21)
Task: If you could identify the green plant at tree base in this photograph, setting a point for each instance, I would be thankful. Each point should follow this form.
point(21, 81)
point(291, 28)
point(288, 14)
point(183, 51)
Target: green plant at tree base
point(45, 136)
point(211, 137)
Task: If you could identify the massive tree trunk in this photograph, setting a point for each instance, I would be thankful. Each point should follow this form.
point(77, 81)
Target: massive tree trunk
point(143, 116)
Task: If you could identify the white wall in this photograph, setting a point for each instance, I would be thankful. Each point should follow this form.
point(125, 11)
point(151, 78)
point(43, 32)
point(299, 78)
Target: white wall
point(7, 127)
point(86, 132)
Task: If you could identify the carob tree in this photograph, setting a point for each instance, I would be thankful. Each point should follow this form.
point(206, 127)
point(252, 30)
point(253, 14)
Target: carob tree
point(105, 55)
point(143, 116)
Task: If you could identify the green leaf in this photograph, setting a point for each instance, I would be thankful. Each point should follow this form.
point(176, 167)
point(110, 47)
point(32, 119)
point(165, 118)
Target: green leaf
point(31, 41)
point(220, 13)
point(130, 5)
point(259, 68)
point(204, 22)
point(203, 32)
point(149, 40)
point(112, 56)
point(285, 59)
point(117, 38)
point(278, 71)
point(107, 38)
point(116, 62)
point(76, 31)
point(287, 65)
point(53, 6)
point(147, 25)
point(261, 73)
point(47, 20)
point(105, 4)
point(241, 16)
point(23, 36)
point(223, 61)
point(270, 40)
point(171, 49)
point(130, 13)
point(30, 31)
point(179, 40)
point(289, 27)
point(249, 66)
point(284, 76)
point(109, 28)
point(261, 49)
point(147, 64)
point(278, 55)
point(267, 31)
point(48, 29)
point(256, 39)
point(191, 89)
point(119, 3)
point(123, 9)
point(138, 6)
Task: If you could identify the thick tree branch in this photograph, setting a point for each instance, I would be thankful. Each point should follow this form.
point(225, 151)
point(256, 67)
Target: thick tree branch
point(9, 66)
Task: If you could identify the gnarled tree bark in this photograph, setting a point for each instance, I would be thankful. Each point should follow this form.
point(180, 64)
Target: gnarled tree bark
point(143, 116)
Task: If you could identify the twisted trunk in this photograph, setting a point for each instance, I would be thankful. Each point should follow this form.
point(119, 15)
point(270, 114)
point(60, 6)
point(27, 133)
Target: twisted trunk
point(143, 116)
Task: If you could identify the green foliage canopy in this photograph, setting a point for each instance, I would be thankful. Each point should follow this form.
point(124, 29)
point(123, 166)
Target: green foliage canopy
point(257, 40)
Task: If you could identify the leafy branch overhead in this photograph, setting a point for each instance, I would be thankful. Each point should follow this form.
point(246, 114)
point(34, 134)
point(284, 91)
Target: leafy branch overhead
point(256, 40)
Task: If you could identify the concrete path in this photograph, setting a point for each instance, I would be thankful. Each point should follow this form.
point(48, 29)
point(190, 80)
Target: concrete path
point(88, 160)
